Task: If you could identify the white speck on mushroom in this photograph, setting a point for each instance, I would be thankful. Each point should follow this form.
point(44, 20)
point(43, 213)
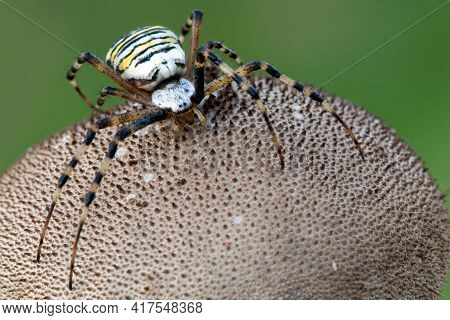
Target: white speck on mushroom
point(66, 138)
point(334, 265)
point(307, 101)
point(131, 196)
point(143, 131)
point(238, 220)
point(296, 107)
point(149, 177)
point(298, 115)
point(121, 152)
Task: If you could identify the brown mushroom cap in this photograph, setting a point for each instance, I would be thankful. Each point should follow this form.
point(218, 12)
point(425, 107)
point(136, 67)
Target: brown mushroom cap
point(210, 214)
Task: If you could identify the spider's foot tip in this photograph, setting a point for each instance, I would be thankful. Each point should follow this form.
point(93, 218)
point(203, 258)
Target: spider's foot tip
point(38, 256)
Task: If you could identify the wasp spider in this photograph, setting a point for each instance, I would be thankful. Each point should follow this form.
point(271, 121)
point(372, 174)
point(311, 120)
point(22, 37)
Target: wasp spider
point(149, 65)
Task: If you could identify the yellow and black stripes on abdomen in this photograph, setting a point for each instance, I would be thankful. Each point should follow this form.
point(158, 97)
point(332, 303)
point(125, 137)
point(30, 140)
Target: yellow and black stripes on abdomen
point(140, 46)
point(131, 39)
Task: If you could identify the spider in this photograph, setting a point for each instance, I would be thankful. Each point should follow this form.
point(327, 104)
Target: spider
point(150, 66)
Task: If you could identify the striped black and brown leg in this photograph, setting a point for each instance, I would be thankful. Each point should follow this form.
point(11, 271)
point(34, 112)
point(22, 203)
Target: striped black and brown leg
point(120, 135)
point(248, 68)
point(199, 69)
point(103, 68)
point(65, 176)
point(109, 91)
point(225, 50)
point(194, 22)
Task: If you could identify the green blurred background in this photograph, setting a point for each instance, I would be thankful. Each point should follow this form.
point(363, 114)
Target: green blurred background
point(406, 84)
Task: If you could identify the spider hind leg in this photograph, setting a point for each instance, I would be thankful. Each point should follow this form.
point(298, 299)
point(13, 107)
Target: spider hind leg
point(89, 138)
point(103, 68)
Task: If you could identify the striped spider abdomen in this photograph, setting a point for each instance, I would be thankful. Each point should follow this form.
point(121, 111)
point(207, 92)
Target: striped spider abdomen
point(147, 56)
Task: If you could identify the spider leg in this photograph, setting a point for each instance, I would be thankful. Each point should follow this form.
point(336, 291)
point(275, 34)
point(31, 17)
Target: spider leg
point(186, 28)
point(310, 92)
point(103, 68)
point(199, 70)
point(109, 91)
point(194, 22)
point(225, 50)
point(120, 135)
point(65, 176)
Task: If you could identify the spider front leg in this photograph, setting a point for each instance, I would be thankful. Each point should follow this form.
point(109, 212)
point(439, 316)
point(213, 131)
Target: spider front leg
point(253, 66)
point(120, 135)
point(103, 68)
point(199, 71)
point(89, 138)
point(225, 50)
point(194, 22)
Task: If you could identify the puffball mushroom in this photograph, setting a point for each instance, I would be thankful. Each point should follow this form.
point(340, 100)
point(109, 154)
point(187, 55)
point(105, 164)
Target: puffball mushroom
point(208, 213)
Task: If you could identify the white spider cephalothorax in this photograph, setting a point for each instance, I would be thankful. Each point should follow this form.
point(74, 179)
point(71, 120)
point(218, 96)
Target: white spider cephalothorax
point(175, 96)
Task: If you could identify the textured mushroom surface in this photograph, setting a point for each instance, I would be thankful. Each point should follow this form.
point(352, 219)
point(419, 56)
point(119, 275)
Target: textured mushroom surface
point(208, 213)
